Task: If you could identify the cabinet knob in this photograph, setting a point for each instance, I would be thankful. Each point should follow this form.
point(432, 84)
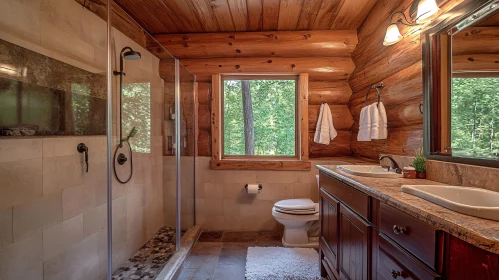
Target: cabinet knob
point(395, 274)
point(398, 230)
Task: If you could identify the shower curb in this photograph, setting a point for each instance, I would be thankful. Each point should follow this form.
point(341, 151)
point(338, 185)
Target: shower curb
point(174, 265)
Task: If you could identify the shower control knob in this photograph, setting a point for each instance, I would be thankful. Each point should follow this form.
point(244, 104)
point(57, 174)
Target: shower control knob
point(121, 159)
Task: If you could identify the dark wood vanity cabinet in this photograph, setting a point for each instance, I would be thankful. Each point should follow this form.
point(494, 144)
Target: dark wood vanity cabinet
point(363, 238)
point(354, 245)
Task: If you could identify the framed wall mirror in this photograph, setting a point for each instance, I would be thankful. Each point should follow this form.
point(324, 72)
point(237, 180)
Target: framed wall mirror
point(461, 84)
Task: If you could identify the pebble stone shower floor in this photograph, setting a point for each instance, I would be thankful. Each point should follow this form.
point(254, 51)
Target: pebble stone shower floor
point(148, 262)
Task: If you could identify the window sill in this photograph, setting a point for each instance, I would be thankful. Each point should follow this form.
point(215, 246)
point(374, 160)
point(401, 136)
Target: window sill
point(283, 165)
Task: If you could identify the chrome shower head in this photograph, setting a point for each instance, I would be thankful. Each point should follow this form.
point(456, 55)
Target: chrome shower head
point(131, 55)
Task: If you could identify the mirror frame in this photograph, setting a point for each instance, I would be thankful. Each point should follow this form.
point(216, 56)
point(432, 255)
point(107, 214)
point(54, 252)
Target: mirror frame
point(431, 66)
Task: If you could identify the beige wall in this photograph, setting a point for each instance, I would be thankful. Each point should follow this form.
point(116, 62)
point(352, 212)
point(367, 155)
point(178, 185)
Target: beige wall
point(53, 214)
point(222, 202)
point(187, 191)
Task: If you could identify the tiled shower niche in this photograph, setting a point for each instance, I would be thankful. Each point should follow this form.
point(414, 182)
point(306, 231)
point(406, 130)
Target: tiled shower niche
point(43, 96)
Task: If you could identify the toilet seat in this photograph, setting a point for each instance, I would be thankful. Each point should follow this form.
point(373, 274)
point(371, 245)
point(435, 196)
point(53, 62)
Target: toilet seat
point(296, 217)
point(300, 206)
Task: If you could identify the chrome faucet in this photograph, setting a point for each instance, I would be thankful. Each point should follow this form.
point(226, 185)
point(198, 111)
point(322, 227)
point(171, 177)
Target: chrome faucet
point(394, 164)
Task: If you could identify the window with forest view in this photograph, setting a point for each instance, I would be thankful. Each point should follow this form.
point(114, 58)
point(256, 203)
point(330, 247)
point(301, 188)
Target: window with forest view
point(259, 117)
point(475, 117)
point(136, 102)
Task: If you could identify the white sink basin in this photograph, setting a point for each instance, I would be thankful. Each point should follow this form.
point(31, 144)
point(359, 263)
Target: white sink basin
point(369, 171)
point(470, 201)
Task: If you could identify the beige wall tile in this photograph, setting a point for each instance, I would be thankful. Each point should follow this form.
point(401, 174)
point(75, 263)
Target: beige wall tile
point(304, 177)
point(21, 181)
point(96, 179)
point(62, 172)
point(213, 190)
point(60, 237)
point(135, 200)
point(62, 146)
point(76, 200)
point(21, 18)
point(307, 190)
point(95, 220)
point(36, 215)
point(275, 176)
point(79, 262)
point(119, 223)
point(65, 44)
point(136, 228)
point(20, 149)
point(6, 227)
point(276, 191)
point(102, 246)
point(23, 259)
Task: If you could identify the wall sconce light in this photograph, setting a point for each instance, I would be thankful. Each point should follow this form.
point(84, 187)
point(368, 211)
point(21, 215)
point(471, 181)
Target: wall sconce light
point(427, 10)
point(393, 34)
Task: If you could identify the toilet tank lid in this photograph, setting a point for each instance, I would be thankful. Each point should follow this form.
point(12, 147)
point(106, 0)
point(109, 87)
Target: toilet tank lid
point(296, 204)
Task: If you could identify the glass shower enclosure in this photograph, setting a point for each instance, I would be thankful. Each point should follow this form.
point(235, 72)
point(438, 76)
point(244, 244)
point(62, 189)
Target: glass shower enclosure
point(97, 144)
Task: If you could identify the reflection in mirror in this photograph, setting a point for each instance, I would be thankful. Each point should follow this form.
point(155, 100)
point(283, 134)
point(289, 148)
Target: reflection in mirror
point(464, 88)
point(474, 98)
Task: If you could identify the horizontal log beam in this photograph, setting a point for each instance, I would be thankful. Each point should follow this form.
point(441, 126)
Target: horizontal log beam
point(401, 97)
point(339, 146)
point(477, 62)
point(476, 39)
point(317, 43)
point(333, 93)
point(400, 141)
point(318, 68)
point(342, 119)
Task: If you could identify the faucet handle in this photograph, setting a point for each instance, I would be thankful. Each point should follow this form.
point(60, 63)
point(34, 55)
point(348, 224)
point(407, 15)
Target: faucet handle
point(82, 148)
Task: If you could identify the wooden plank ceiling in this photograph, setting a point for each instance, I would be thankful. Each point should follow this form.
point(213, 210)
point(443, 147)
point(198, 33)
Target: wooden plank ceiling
point(203, 16)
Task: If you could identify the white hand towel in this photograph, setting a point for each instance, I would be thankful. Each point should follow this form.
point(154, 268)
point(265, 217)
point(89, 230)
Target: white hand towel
point(383, 131)
point(332, 130)
point(324, 131)
point(364, 125)
point(374, 113)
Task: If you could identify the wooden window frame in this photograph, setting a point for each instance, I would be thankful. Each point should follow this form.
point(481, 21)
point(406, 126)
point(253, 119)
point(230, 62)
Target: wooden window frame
point(292, 163)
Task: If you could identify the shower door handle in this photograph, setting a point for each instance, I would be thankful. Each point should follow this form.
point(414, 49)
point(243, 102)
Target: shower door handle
point(82, 148)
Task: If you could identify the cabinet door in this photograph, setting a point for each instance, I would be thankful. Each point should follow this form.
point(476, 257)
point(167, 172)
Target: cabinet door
point(329, 211)
point(355, 238)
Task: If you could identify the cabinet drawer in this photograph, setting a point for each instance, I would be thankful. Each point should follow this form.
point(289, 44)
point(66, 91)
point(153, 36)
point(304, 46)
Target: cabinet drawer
point(394, 263)
point(415, 236)
point(354, 199)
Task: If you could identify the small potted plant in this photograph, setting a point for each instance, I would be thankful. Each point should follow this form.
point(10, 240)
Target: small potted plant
point(419, 164)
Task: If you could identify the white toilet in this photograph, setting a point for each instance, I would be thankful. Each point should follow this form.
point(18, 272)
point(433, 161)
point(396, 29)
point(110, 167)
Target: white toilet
point(300, 218)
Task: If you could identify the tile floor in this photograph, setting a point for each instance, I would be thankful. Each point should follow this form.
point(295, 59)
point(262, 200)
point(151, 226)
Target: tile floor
point(222, 255)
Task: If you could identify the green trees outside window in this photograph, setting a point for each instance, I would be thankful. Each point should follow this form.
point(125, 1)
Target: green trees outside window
point(259, 117)
point(475, 117)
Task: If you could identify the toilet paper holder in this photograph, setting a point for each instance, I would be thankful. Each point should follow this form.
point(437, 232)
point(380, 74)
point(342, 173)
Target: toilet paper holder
point(260, 187)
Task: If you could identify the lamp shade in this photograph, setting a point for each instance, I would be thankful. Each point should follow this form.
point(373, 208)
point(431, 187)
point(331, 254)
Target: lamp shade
point(393, 35)
point(427, 10)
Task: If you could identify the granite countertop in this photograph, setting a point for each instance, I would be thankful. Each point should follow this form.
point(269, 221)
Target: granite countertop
point(479, 232)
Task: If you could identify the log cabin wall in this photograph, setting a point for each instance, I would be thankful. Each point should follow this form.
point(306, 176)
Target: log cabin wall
point(324, 55)
point(399, 67)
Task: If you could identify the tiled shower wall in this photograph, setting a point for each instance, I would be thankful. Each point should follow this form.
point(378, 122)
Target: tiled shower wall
point(222, 202)
point(52, 213)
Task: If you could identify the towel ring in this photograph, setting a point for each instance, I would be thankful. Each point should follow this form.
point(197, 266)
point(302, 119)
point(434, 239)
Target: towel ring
point(376, 87)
